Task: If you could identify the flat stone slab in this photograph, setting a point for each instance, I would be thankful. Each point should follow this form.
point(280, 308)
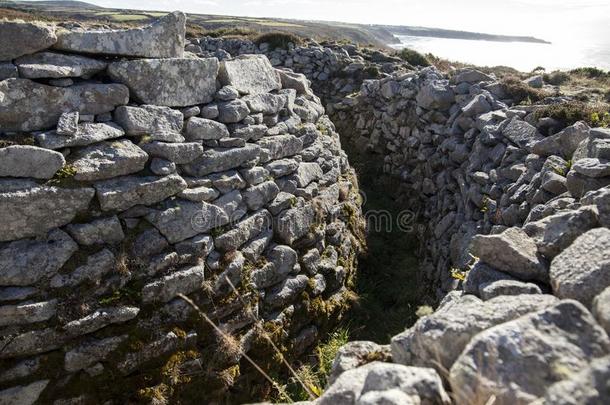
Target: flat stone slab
point(249, 74)
point(163, 38)
point(87, 134)
point(169, 82)
point(34, 211)
point(45, 104)
point(29, 161)
point(56, 65)
point(180, 282)
point(21, 38)
point(106, 160)
point(521, 133)
point(122, 193)
point(220, 160)
point(148, 119)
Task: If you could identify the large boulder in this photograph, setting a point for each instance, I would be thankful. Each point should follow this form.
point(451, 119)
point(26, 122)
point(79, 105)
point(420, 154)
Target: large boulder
point(29, 161)
point(106, 160)
point(21, 38)
point(55, 65)
point(162, 39)
point(438, 339)
point(249, 74)
point(169, 82)
point(34, 211)
point(44, 104)
point(515, 362)
point(512, 252)
point(582, 270)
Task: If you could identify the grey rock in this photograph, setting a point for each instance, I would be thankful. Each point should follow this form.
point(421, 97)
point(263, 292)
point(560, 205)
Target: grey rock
point(25, 262)
point(477, 106)
point(122, 193)
point(28, 312)
point(249, 74)
point(199, 246)
point(163, 38)
point(162, 167)
point(157, 349)
point(582, 270)
point(507, 287)
point(601, 309)
point(550, 344)
point(435, 95)
point(185, 281)
point(564, 142)
point(100, 319)
point(587, 386)
point(36, 210)
point(148, 243)
point(535, 82)
point(255, 175)
point(24, 368)
point(281, 295)
point(98, 265)
point(355, 354)
point(8, 71)
point(578, 185)
point(227, 93)
point(268, 104)
point(205, 129)
point(22, 38)
point(29, 161)
point(232, 204)
point(16, 294)
point(103, 230)
point(258, 196)
point(521, 133)
point(279, 146)
point(281, 263)
point(308, 172)
point(19, 113)
point(437, 340)
point(219, 160)
point(106, 160)
point(294, 223)
point(297, 81)
point(243, 231)
point(148, 119)
point(183, 219)
point(232, 111)
point(30, 343)
point(179, 153)
point(89, 353)
point(199, 194)
point(472, 76)
point(556, 232)
point(168, 82)
point(512, 252)
point(68, 124)
point(56, 65)
point(282, 167)
point(592, 167)
point(23, 394)
point(87, 134)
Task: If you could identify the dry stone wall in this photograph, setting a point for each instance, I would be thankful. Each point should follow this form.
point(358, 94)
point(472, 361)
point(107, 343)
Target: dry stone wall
point(130, 174)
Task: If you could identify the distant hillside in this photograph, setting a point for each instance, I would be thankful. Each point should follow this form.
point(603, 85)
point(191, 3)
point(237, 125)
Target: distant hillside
point(443, 33)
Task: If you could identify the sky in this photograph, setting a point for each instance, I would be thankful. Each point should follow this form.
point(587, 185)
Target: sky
point(541, 18)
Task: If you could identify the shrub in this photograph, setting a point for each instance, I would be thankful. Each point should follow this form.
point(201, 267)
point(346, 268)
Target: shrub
point(572, 111)
point(413, 57)
point(520, 92)
point(278, 40)
point(556, 78)
point(230, 32)
point(590, 72)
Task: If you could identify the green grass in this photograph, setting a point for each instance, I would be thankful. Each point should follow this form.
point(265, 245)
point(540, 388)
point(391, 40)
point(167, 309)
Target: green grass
point(413, 57)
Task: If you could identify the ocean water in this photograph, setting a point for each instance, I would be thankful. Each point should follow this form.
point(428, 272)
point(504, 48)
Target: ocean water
point(563, 54)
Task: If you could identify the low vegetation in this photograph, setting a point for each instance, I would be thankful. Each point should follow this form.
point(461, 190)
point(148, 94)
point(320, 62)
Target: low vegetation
point(520, 92)
point(278, 40)
point(567, 113)
point(413, 57)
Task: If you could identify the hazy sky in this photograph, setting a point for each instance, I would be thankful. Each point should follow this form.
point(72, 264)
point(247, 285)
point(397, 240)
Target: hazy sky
point(544, 18)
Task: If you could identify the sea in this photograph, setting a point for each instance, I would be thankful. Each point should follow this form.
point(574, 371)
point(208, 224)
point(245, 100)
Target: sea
point(563, 53)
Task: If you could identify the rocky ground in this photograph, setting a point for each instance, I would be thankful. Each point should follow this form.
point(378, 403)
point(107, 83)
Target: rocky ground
point(512, 209)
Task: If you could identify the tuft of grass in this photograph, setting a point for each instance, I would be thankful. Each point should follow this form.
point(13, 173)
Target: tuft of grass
point(413, 57)
point(556, 78)
point(278, 40)
point(572, 111)
point(520, 92)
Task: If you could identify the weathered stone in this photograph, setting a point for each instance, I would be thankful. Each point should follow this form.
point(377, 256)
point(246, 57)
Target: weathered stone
point(477, 106)
point(183, 219)
point(106, 160)
point(8, 71)
point(435, 95)
point(36, 210)
point(266, 103)
point(199, 194)
point(87, 134)
point(563, 143)
point(507, 287)
point(30, 343)
point(255, 175)
point(308, 172)
point(22, 38)
point(232, 111)
point(258, 196)
point(148, 243)
point(179, 153)
point(29, 161)
point(587, 386)
point(592, 167)
point(68, 124)
point(534, 81)
point(162, 167)
point(199, 246)
point(24, 368)
point(550, 344)
point(25, 313)
point(183, 281)
point(25, 262)
point(355, 354)
point(168, 82)
point(294, 223)
point(472, 76)
point(122, 193)
point(23, 394)
point(249, 74)
point(282, 167)
point(19, 113)
point(437, 340)
point(163, 38)
point(243, 231)
point(601, 309)
point(582, 270)
point(159, 348)
point(279, 146)
point(148, 119)
point(16, 294)
point(297, 81)
point(233, 206)
point(98, 265)
point(521, 133)
point(89, 353)
point(281, 295)
point(100, 319)
point(420, 385)
point(56, 65)
point(201, 128)
point(220, 160)
point(578, 185)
